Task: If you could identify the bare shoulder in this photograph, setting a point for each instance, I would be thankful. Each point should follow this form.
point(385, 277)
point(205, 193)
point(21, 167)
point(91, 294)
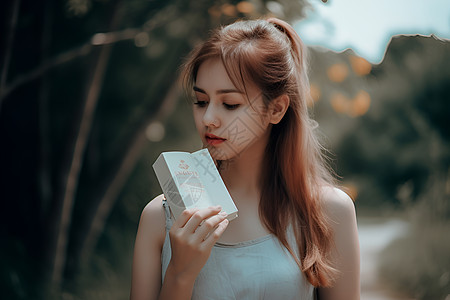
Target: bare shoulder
point(340, 211)
point(155, 207)
point(146, 269)
point(153, 218)
point(337, 205)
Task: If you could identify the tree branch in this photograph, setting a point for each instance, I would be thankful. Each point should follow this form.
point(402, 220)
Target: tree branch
point(44, 169)
point(98, 39)
point(65, 218)
point(8, 47)
point(44, 67)
point(126, 167)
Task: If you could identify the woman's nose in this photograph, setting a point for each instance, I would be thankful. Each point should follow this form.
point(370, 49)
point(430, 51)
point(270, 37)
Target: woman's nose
point(211, 116)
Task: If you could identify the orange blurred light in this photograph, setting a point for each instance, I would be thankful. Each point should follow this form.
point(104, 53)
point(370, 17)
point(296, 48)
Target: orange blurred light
point(340, 103)
point(337, 72)
point(214, 11)
point(360, 65)
point(360, 104)
point(245, 7)
point(228, 10)
point(315, 93)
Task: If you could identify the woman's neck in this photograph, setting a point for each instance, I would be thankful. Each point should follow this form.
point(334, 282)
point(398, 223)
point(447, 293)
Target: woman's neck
point(241, 175)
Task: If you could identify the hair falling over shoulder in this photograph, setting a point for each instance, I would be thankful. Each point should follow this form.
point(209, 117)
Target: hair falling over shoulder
point(271, 55)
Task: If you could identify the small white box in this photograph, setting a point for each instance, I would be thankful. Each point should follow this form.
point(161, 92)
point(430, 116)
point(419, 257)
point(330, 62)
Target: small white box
point(191, 180)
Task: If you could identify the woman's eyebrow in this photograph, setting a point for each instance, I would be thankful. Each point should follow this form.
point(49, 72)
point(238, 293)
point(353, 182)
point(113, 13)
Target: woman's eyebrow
point(228, 91)
point(197, 89)
point(218, 92)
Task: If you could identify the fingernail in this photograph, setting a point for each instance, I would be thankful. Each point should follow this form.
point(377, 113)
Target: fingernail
point(223, 213)
point(219, 207)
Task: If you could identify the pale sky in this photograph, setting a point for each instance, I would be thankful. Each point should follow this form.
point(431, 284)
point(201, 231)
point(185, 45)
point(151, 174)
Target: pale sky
point(366, 26)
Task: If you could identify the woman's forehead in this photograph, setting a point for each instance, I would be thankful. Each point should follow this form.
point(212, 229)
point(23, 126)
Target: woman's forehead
point(212, 76)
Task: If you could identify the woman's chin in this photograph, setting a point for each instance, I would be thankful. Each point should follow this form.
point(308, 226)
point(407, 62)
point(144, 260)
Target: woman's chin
point(217, 154)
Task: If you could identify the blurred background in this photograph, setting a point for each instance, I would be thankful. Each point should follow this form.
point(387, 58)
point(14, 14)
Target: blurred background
point(89, 97)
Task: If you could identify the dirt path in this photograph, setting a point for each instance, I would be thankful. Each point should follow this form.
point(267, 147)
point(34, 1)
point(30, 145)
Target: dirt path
point(374, 236)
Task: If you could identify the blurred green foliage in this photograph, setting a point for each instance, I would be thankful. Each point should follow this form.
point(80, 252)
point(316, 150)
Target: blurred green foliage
point(396, 154)
point(418, 263)
point(403, 137)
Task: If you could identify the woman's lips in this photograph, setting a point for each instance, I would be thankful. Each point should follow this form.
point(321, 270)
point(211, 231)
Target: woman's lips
point(213, 140)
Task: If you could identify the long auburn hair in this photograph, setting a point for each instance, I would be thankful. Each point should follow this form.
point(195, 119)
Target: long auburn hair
point(270, 54)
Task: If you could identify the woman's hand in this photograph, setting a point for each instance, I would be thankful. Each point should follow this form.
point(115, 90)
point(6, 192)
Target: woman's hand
point(192, 237)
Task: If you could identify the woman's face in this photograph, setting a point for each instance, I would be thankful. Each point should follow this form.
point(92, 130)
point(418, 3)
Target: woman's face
point(229, 124)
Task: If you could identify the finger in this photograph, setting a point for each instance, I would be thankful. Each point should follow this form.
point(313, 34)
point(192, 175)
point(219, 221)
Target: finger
point(208, 226)
point(216, 234)
point(184, 217)
point(199, 216)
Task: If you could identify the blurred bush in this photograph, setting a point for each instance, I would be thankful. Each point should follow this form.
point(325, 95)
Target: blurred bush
point(387, 124)
point(418, 264)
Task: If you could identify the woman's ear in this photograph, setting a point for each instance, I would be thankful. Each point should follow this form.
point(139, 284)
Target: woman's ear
point(277, 108)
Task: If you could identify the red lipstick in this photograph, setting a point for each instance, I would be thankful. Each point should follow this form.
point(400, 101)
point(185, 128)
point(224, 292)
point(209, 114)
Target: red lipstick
point(213, 140)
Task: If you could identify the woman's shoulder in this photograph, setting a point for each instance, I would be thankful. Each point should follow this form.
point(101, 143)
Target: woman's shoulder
point(337, 205)
point(340, 212)
point(155, 207)
point(153, 218)
point(146, 270)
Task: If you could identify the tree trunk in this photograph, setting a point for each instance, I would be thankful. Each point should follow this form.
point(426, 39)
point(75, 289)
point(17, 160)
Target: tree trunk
point(44, 169)
point(132, 155)
point(60, 247)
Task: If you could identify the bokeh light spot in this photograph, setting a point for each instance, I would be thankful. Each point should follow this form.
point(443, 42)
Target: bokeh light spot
point(360, 65)
point(155, 132)
point(337, 72)
point(245, 7)
point(360, 104)
point(141, 39)
point(214, 11)
point(340, 103)
point(99, 39)
point(315, 93)
point(276, 8)
point(228, 10)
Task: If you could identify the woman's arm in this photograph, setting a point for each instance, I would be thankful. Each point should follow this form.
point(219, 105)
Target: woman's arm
point(192, 237)
point(340, 210)
point(146, 269)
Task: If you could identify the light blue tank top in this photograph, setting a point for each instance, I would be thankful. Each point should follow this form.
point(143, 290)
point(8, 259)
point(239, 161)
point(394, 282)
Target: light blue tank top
point(256, 269)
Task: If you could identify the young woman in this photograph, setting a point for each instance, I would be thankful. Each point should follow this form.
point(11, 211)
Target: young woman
point(296, 235)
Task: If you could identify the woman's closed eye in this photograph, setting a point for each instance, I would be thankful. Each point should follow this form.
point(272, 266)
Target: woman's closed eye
point(201, 103)
point(231, 106)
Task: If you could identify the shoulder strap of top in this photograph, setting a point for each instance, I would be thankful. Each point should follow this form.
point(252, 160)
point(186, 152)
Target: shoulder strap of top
point(169, 221)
